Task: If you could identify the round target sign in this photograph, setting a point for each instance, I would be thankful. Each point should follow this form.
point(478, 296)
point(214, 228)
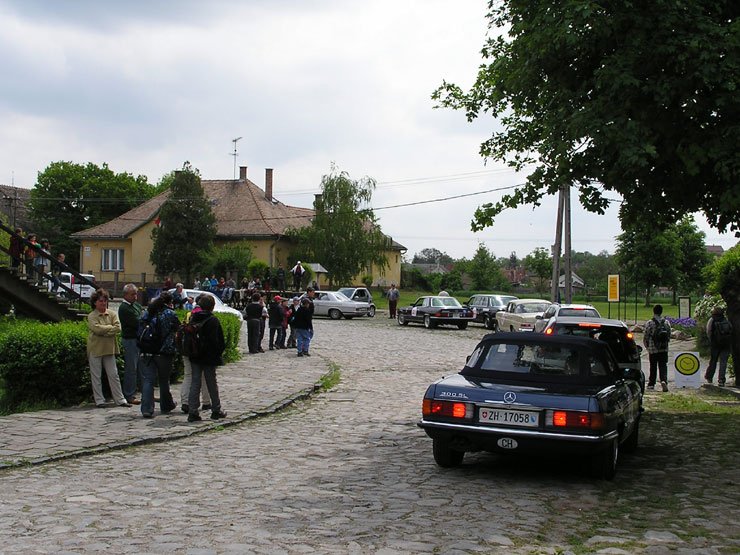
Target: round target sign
point(687, 364)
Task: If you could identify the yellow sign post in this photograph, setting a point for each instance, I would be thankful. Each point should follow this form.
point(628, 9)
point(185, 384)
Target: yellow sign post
point(613, 288)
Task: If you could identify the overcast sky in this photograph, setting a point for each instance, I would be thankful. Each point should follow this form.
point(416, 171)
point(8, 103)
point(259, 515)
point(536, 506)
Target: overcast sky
point(147, 85)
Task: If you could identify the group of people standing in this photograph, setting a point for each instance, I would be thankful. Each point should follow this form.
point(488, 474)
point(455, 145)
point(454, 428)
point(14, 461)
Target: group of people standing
point(150, 365)
point(33, 257)
point(279, 316)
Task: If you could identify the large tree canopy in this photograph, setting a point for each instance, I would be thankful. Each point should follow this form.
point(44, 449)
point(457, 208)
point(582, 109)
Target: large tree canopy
point(613, 96)
point(343, 236)
point(71, 197)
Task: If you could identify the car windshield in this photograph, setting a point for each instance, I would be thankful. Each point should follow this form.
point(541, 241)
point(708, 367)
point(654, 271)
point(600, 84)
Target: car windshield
point(347, 291)
point(535, 360)
point(341, 296)
point(503, 301)
point(194, 293)
point(446, 302)
point(579, 312)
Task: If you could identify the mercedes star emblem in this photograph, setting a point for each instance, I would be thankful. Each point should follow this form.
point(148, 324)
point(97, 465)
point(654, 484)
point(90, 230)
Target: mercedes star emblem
point(509, 397)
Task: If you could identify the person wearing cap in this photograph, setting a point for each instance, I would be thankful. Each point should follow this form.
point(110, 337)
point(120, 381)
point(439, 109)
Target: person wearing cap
point(297, 272)
point(276, 315)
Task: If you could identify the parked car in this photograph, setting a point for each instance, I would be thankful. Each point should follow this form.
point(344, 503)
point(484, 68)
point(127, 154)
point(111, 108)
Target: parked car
point(68, 279)
point(536, 394)
point(220, 305)
point(360, 295)
point(434, 310)
point(485, 308)
point(614, 333)
point(557, 309)
point(521, 314)
point(335, 305)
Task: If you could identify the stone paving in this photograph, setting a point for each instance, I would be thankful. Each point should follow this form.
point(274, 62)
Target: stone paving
point(348, 471)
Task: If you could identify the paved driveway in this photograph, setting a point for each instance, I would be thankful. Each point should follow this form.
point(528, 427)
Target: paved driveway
point(349, 472)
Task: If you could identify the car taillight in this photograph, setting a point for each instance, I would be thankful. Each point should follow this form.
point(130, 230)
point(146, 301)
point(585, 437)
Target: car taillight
point(449, 409)
point(630, 336)
point(575, 419)
point(588, 325)
point(549, 331)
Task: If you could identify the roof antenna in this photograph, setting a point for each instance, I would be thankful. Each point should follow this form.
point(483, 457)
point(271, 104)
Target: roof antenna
point(234, 155)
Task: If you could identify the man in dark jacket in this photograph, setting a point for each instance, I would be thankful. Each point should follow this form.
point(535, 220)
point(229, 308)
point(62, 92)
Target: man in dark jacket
point(129, 313)
point(253, 316)
point(204, 363)
point(276, 314)
point(719, 332)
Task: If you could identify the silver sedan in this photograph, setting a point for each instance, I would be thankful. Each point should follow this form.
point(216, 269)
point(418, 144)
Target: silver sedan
point(335, 305)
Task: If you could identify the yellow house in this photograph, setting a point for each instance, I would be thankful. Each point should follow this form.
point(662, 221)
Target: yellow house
point(118, 251)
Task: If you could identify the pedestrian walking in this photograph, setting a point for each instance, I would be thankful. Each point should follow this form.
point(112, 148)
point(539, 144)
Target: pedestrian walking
point(656, 339)
point(719, 332)
point(102, 348)
point(393, 296)
point(204, 363)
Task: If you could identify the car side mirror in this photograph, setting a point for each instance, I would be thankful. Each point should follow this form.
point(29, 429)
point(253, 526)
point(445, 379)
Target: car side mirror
point(631, 374)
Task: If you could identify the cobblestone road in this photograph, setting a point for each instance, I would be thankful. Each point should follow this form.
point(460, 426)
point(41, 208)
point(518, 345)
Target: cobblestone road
point(349, 472)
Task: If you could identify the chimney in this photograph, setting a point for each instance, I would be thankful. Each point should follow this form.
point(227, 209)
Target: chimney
point(268, 184)
point(242, 173)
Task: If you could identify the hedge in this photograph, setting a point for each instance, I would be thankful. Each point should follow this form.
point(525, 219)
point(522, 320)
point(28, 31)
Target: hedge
point(46, 364)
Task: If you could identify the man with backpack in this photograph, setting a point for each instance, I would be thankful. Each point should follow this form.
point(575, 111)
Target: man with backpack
point(156, 341)
point(719, 332)
point(205, 358)
point(657, 336)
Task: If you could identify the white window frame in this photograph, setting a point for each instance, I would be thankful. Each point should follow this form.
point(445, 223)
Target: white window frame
point(111, 260)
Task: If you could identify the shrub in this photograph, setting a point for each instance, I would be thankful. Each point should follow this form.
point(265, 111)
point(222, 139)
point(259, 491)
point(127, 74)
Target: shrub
point(44, 363)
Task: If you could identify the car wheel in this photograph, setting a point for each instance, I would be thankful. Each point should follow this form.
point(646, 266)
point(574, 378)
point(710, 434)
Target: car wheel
point(335, 314)
point(489, 323)
point(428, 322)
point(630, 444)
point(462, 325)
point(445, 456)
point(371, 312)
point(402, 320)
point(604, 464)
point(511, 328)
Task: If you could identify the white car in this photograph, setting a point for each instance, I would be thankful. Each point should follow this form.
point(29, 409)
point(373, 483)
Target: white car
point(521, 314)
point(558, 310)
point(220, 305)
point(68, 280)
point(335, 305)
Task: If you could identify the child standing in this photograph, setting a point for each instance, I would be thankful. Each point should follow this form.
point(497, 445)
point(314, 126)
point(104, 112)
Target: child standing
point(302, 323)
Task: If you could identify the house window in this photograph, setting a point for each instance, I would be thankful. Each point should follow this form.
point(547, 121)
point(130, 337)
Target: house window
point(112, 260)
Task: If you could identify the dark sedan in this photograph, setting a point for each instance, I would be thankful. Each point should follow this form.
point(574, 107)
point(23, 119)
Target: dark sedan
point(435, 310)
point(486, 306)
point(536, 394)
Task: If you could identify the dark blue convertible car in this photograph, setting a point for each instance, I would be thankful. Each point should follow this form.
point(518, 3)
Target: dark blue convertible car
point(534, 393)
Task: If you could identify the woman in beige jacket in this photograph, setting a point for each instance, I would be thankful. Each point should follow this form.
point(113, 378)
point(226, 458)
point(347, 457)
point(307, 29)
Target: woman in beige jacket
point(102, 348)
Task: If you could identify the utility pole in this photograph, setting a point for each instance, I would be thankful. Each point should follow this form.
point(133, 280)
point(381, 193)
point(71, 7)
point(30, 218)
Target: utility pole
point(563, 218)
point(567, 249)
point(555, 251)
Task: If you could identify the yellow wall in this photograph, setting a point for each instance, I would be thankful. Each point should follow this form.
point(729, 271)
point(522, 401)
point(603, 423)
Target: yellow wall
point(137, 248)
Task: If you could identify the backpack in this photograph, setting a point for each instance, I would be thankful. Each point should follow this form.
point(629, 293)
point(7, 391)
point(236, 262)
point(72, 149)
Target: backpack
point(189, 340)
point(722, 332)
point(149, 337)
point(661, 335)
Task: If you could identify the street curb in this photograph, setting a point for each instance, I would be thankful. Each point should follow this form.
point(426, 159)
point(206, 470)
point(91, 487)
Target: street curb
point(200, 429)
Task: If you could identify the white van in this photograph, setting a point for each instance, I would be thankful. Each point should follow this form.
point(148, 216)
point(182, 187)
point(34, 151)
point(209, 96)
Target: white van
point(68, 280)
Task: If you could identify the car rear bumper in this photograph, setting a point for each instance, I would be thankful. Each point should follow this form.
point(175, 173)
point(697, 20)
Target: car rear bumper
point(487, 438)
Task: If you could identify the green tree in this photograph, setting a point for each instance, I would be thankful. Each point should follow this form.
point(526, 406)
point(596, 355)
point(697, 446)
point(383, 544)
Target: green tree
point(648, 257)
point(610, 96)
point(228, 258)
point(724, 278)
point(694, 256)
point(432, 256)
point(539, 263)
point(594, 269)
point(484, 271)
point(71, 197)
point(184, 237)
point(343, 236)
